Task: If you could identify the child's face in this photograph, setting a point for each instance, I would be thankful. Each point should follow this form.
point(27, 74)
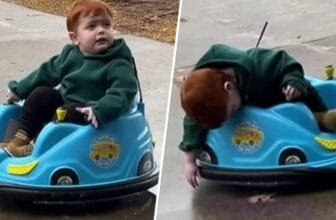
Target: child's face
point(94, 34)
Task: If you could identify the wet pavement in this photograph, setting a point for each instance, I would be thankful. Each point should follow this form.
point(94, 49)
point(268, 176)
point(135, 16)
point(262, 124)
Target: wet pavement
point(137, 206)
point(30, 37)
point(308, 32)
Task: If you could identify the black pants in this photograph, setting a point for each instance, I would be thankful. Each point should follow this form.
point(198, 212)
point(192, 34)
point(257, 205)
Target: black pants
point(313, 100)
point(40, 108)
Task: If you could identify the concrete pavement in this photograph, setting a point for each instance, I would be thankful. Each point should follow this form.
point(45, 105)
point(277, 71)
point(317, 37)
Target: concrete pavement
point(306, 29)
point(239, 23)
point(29, 37)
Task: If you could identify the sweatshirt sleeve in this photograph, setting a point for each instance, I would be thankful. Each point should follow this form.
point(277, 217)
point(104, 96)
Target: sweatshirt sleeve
point(293, 73)
point(120, 94)
point(193, 135)
point(48, 74)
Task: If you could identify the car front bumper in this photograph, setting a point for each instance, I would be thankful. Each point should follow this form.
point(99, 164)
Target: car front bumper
point(75, 194)
point(269, 177)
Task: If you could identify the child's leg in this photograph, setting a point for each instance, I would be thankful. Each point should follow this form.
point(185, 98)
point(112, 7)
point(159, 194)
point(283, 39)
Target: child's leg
point(325, 118)
point(37, 110)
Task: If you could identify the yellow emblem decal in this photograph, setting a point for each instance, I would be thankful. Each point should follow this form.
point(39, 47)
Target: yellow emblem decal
point(247, 137)
point(105, 151)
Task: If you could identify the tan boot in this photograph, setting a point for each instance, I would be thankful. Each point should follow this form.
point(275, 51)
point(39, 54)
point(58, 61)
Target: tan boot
point(19, 145)
point(326, 120)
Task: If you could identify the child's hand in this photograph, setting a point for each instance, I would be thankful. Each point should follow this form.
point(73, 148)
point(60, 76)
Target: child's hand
point(89, 114)
point(11, 97)
point(191, 169)
point(192, 173)
point(291, 92)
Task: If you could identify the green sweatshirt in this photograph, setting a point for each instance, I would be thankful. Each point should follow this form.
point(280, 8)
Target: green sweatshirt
point(260, 73)
point(104, 81)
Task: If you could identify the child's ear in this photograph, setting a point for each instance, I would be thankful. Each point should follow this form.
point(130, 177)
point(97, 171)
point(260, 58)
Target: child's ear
point(73, 37)
point(228, 85)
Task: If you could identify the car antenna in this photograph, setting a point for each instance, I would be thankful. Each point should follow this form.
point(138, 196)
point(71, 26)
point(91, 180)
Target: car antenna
point(262, 34)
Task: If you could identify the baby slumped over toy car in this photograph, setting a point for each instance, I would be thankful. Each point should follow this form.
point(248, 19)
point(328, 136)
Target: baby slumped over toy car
point(226, 78)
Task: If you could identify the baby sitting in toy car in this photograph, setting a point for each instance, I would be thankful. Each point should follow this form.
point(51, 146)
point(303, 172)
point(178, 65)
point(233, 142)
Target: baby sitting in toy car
point(95, 74)
point(226, 78)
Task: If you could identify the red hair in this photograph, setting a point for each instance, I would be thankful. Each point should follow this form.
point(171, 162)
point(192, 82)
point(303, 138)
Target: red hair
point(85, 8)
point(203, 96)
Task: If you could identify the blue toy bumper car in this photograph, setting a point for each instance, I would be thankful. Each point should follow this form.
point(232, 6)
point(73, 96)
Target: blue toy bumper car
point(278, 146)
point(72, 163)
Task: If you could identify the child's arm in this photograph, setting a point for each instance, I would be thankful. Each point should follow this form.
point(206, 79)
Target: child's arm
point(48, 74)
point(191, 170)
point(293, 82)
point(120, 94)
point(280, 66)
point(193, 138)
point(193, 134)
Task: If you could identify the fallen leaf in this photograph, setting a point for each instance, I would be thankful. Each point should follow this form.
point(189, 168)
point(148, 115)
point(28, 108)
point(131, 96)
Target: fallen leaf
point(263, 198)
